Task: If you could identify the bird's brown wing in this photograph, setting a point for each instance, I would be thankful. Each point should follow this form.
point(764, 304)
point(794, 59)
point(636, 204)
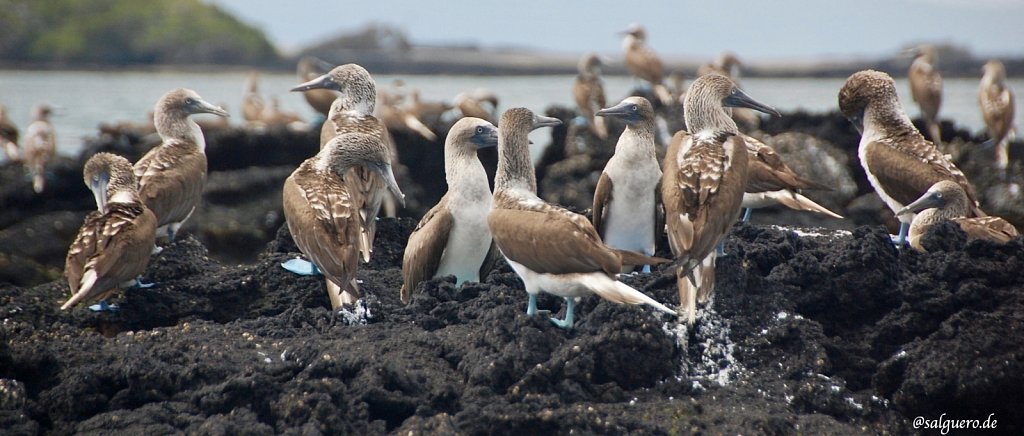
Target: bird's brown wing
point(425, 248)
point(551, 240)
point(602, 195)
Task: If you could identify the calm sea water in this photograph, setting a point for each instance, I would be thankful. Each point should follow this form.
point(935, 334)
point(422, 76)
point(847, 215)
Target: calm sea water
point(86, 99)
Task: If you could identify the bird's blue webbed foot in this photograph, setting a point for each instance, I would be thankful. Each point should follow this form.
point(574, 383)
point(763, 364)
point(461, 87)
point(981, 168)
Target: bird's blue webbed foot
point(646, 269)
point(103, 306)
point(567, 322)
point(137, 283)
point(301, 267)
point(531, 307)
point(720, 249)
point(901, 239)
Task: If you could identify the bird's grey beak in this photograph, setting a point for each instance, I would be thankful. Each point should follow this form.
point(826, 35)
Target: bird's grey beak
point(739, 99)
point(322, 82)
point(99, 191)
point(858, 123)
point(204, 107)
point(539, 121)
point(486, 139)
point(619, 110)
point(927, 201)
point(389, 177)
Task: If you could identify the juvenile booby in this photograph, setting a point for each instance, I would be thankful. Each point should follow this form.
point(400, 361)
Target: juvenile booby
point(627, 210)
point(319, 99)
point(40, 144)
point(705, 172)
point(9, 136)
point(900, 164)
point(997, 108)
point(642, 62)
point(453, 238)
point(115, 241)
point(551, 249)
point(589, 93)
point(172, 175)
point(352, 111)
point(253, 106)
point(770, 181)
point(926, 89)
point(322, 213)
point(946, 200)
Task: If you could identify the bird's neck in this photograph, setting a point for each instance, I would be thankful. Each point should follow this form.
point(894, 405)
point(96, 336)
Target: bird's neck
point(888, 121)
point(465, 174)
point(707, 120)
point(515, 169)
point(637, 140)
point(179, 129)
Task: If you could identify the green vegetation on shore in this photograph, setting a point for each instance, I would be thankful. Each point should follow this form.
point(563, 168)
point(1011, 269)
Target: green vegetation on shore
point(128, 32)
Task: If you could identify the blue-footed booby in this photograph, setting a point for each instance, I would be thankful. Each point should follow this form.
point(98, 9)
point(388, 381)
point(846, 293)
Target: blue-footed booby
point(322, 213)
point(926, 89)
point(705, 173)
point(453, 238)
point(770, 181)
point(40, 144)
point(352, 111)
point(627, 210)
point(115, 241)
point(900, 164)
point(172, 175)
point(588, 91)
point(642, 62)
point(946, 200)
point(253, 106)
point(9, 136)
point(997, 108)
point(550, 248)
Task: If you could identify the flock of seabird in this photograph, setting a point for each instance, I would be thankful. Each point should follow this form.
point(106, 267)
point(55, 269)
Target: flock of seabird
point(709, 173)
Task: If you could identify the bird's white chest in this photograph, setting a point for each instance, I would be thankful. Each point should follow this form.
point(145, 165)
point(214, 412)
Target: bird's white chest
point(468, 240)
point(871, 135)
point(629, 222)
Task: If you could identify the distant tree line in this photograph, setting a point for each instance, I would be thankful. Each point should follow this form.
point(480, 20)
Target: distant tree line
point(127, 32)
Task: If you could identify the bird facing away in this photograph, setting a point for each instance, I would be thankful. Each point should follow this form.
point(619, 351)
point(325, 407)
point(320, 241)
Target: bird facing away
point(115, 241)
point(322, 214)
point(926, 89)
point(997, 108)
point(253, 107)
point(770, 181)
point(453, 238)
point(627, 211)
point(550, 248)
point(172, 175)
point(900, 164)
point(705, 173)
point(588, 91)
point(352, 111)
point(9, 136)
point(40, 144)
point(946, 200)
point(642, 62)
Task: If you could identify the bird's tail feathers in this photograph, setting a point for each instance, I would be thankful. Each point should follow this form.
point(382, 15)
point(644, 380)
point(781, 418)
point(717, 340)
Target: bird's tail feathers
point(618, 292)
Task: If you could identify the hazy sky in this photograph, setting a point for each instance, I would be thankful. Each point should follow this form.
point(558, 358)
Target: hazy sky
point(755, 29)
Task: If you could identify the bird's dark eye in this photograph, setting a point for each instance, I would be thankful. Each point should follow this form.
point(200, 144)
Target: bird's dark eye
point(938, 195)
point(634, 108)
point(189, 100)
point(479, 130)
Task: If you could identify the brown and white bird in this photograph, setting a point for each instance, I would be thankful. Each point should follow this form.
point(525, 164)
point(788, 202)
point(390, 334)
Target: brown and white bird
point(627, 203)
point(997, 108)
point(705, 173)
point(770, 181)
point(642, 62)
point(946, 200)
point(323, 214)
point(9, 136)
point(352, 111)
point(926, 89)
point(453, 238)
point(551, 249)
point(479, 103)
point(115, 241)
point(39, 145)
point(588, 90)
point(253, 106)
point(900, 164)
point(172, 175)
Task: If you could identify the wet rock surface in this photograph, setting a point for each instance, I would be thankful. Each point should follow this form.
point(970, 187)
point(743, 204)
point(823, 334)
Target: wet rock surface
point(810, 330)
